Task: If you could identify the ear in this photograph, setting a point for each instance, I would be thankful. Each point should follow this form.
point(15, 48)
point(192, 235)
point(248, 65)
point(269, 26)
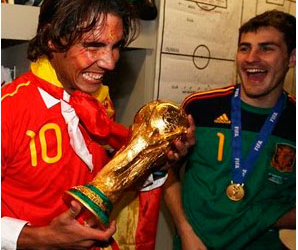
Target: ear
point(292, 61)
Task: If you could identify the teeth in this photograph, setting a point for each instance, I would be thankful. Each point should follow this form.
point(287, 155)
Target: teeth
point(92, 76)
point(255, 71)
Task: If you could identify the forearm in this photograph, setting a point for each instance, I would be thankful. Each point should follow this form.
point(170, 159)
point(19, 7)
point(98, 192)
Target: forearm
point(64, 232)
point(18, 234)
point(287, 221)
point(34, 238)
point(173, 201)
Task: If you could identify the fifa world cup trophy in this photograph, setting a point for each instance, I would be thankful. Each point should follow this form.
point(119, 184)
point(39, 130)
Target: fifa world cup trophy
point(156, 125)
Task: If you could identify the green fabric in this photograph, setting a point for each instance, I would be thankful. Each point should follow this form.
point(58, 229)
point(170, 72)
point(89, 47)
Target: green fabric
point(207, 206)
point(267, 241)
point(225, 224)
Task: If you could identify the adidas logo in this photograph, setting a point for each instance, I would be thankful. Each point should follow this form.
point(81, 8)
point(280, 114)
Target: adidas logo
point(222, 119)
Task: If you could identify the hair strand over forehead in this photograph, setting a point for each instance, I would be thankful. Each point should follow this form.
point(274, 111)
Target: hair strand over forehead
point(63, 22)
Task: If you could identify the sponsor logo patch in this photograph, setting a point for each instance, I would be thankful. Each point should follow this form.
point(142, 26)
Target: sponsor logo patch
point(222, 119)
point(284, 157)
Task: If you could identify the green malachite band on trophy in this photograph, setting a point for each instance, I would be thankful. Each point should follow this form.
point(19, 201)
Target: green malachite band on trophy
point(103, 216)
point(105, 199)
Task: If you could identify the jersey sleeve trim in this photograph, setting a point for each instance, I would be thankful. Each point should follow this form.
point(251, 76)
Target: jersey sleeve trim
point(208, 94)
point(15, 91)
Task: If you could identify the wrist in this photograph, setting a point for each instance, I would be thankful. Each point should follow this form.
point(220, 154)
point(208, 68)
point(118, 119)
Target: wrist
point(33, 238)
point(184, 228)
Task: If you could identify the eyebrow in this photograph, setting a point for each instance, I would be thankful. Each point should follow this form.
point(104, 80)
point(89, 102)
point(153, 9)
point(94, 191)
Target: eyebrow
point(259, 44)
point(93, 43)
point(98, 43)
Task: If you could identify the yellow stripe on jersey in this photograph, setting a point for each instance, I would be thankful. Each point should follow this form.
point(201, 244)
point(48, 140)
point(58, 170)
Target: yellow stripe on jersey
point(16, 90)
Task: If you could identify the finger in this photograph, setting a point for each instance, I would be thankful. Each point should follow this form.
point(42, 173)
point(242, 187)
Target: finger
point(191, 121)
point(85, 244)
point(181, 148)
point(112, 228)
point(74, 209)
point(191, 131)
point(105, 235)
point(113, 225)
point(172, 156)
point(191, 139)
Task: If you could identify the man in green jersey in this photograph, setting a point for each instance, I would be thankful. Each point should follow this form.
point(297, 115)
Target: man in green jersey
point(239, 181)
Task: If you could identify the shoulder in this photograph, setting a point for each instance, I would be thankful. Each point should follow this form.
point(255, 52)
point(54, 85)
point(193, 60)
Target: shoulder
point(208, 96)
point(19, 87)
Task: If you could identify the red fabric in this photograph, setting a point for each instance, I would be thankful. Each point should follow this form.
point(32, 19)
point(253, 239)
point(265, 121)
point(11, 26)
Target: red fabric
point(95, 119)
point(30, 192)
point(92, 115)
point(34, 193)
point(148, 219)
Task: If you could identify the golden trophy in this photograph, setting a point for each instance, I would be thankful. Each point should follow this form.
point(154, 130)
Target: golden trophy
point(156, 125)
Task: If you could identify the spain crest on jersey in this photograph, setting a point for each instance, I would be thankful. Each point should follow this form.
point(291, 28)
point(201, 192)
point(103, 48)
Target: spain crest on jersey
point(284, 157)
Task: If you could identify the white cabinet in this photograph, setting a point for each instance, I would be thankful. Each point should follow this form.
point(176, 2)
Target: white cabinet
point(19, 22)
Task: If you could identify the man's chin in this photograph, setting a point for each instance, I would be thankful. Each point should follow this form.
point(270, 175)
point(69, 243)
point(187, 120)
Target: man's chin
point(91, 90)
point(254, 90)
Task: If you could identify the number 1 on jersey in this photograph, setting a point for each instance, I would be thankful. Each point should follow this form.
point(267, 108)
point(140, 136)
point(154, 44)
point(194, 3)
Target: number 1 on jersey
point(221, 140)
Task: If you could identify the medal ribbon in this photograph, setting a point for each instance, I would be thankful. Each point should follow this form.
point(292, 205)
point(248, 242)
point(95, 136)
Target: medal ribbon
point(240, 171)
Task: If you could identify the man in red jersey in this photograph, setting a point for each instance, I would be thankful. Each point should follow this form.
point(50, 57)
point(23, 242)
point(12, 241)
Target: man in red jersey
point(56, 120)
point(237, 194)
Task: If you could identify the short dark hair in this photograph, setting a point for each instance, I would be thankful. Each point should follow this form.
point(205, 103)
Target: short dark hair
point(70, 19)
point(283, 22)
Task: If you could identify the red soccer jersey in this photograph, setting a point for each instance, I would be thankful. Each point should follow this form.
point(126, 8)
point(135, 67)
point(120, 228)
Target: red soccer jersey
point(38, 162)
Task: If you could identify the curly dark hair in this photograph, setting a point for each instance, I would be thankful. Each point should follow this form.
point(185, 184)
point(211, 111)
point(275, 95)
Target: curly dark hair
point(63, 22)
point(283, 22)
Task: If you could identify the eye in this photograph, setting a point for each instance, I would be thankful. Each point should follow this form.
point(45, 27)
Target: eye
point(119, 45)
point(267, 48)
point(243, 48)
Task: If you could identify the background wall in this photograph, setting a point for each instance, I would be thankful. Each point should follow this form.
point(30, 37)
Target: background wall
point(191, 46)
point(197, 43)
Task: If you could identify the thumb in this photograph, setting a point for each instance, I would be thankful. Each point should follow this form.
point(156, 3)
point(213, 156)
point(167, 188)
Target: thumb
point(74, 209)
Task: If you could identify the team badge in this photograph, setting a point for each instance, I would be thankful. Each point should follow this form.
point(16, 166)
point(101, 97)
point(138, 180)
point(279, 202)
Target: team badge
point(284, 157)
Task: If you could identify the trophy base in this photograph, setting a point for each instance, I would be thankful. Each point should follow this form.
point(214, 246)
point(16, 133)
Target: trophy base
point(94, 212)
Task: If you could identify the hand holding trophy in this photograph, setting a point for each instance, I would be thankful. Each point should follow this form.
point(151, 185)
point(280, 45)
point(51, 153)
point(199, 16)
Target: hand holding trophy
point(156, 125)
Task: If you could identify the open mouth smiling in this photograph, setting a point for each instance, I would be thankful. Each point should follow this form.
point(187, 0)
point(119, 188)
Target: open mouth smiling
point(92, 76)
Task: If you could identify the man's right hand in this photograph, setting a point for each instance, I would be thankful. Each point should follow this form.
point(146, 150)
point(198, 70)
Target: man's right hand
point(64, 232)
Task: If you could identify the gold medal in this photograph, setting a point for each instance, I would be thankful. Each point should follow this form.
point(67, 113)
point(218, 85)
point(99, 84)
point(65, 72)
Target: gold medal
point(235, 191)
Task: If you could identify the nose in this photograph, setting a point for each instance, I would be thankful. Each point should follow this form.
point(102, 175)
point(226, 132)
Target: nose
point(107, 59)
point(253, 55)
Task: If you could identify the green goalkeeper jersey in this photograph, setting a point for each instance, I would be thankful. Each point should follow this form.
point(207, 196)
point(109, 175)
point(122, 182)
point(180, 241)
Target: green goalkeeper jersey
point(269, 188)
